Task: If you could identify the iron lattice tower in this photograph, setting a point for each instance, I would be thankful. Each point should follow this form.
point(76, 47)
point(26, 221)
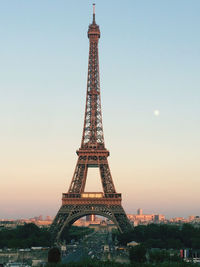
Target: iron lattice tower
point(92, 153)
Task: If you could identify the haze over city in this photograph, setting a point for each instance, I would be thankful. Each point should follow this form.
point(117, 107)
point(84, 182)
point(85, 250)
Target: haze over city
point(149, 69)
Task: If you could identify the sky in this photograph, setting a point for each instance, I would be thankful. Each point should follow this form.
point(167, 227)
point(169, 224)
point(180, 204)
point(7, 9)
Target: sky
point(149, 54)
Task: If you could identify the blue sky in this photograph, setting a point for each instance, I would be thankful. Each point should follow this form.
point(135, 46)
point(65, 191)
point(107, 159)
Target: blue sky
point(149, 59)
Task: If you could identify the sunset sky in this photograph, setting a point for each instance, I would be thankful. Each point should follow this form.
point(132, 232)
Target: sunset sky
point(150, 87)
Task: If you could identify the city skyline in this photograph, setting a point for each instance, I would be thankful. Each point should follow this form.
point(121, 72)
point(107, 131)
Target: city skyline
point(149, 59)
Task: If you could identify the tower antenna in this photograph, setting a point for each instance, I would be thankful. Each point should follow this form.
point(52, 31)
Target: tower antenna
point(93, 13)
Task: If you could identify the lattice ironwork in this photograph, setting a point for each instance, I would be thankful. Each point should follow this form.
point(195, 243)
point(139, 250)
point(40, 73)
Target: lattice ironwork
point(92, 153)
point(93, 127)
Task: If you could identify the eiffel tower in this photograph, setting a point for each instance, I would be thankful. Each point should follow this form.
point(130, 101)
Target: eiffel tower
point(77, 203)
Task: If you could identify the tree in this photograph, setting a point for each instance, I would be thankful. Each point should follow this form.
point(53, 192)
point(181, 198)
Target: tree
point(137, 254)
point(54, 255)
point(159, 256)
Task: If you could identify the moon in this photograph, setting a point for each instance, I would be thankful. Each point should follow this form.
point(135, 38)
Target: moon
point(156, 112)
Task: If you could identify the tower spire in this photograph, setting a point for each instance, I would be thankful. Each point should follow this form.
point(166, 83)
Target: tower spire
point(93, 22)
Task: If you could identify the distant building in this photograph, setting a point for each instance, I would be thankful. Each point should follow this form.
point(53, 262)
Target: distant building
point(49, 218)
point(103, 226)
point(139, 212)
point(141, 218)
point(159, 218)
point(178, 220)
point(91, 218)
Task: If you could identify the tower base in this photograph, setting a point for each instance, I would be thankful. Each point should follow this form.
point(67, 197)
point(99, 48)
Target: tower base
point(74, 208)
